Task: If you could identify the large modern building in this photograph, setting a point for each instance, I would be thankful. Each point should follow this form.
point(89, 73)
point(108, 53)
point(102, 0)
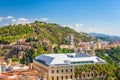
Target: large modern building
point(62, 66)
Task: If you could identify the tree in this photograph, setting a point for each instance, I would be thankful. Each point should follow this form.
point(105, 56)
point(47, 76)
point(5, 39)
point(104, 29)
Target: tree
point(35, 54)
point(23, 60)
point(77, 72)
point(65, 50)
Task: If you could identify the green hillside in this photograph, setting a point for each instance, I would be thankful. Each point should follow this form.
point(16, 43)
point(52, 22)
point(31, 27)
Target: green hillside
point(112, 57)
point(53, 33)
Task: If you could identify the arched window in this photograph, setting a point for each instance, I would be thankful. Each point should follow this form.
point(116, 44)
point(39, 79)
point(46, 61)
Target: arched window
point(57, 71)
point(52, 78)
point(57, 78)
point(88, 75)
point(66, 70)
point(52, 71)
point(66, 77)
point(62, 77)
point(71, 77)
point(84, 75)
point(62, 71)
point(92, 75)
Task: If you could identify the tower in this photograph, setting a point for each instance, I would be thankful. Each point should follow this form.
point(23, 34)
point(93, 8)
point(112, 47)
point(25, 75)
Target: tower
point(70, 39)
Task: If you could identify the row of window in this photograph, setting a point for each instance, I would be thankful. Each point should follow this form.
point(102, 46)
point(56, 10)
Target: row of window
point(62, 77)
point(62, 67)
point(84, 75)
point(71, 76)
point(61, 71)
point(82, 62)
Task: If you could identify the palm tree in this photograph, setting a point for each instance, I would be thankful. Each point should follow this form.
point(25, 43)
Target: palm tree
point(77, 71)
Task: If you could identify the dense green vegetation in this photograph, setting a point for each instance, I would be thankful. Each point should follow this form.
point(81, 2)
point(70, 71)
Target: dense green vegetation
point(15, 60)
point(112, 57)
point(111, 69)
point(40, 50)
point(57, 49)
point(10, 33)
point(43, 31)
point(108, 38)
point(27, 57)
point(105, 70)
point(42, 35)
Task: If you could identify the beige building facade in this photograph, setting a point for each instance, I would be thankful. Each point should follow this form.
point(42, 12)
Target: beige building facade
point(65, 71)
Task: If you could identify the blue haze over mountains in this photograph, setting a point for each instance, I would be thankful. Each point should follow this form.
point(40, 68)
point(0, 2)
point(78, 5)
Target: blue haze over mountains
point(105, 37)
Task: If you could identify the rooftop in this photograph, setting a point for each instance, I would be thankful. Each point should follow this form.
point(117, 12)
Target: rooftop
point(67, 59)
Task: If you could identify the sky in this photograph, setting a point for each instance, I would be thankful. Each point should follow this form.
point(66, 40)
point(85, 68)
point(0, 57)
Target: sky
point(100, 16)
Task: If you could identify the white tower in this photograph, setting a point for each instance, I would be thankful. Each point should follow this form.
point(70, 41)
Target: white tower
point(70, 39)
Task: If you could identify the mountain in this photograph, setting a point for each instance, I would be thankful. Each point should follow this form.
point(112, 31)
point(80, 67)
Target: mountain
point(49, 32)
point(105, 37)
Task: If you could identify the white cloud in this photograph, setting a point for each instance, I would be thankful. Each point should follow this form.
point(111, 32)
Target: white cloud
point(78, 25)
point(67, 26)
point(35, 20)
point(90, 30)
point(14, 20)
point(6, 24)
point(79, 28)
point(22, 19)
point(43, 19)
point(9, 17)
point(1, 18)
point(97, 30)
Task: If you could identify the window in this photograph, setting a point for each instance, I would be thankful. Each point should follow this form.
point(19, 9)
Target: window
point(52, 71)
point(92, 75)
point(57, 71)
point(52, 67)
point(66, 77)
point(84, 75)
point(62, 71)
point(66, 70)
point(71, 70)
point(62, 77)
point(57, 78)
point(52, 78)
point(88, 75)
point(71, 77)
point(67, 61)
point(82, 62)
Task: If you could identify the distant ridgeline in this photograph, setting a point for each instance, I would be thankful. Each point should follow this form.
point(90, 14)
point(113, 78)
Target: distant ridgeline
point(105, 37)
point(53, 33)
